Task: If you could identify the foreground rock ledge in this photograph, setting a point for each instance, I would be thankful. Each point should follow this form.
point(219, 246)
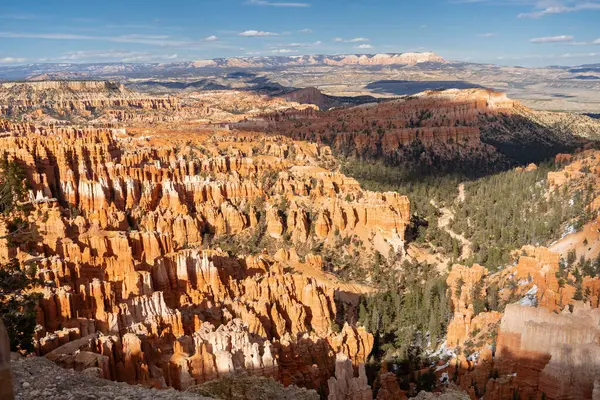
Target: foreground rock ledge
point(39, 378)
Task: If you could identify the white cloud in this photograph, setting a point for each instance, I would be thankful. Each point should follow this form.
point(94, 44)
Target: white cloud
point(283, 51)
point(358, 39)
point(149, 37)
point(597, 41)
point(553, 39)
point(253, 33)
point(354, 40)
point(317, 43)
point(11, 60)
point(488, 34)
point(211, 38)
point(560, 7)
point(307, 30)
point(275, 4)
point(364, 46)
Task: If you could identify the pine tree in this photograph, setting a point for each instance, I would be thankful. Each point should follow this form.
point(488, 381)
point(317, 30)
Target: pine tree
point(12, 185)
point(571, 257)
point(578, 292)
point(476, 298)
point(596, 266)
point(18, 306)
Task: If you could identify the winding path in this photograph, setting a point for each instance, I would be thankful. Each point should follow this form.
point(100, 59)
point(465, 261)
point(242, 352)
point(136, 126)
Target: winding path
point(444, 222)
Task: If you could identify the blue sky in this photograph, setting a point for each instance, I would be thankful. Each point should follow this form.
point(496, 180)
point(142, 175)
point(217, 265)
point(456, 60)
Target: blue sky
point(507, 32)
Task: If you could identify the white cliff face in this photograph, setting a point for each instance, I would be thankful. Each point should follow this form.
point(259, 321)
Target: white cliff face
point(346, 59)
point(563, 355)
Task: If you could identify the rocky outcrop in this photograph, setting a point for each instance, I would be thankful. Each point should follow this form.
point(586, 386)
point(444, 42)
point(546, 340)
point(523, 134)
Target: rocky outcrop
point(252, 388)
point(345, 386)
point(463, 282)
point(451, 394)
point(389, 388)
point(555, 354)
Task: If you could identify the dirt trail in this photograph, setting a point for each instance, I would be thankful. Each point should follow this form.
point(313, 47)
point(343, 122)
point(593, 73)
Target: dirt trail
point(444, 221)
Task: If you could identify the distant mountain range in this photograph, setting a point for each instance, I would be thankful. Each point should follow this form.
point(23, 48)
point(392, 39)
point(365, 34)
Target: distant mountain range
point(346, 59)
point(133, 70)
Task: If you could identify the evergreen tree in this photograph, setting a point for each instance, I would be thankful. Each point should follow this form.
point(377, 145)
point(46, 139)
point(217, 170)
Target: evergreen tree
point(476, 297)
point(571, 257)
point(18, 306)
point(493, 298)
point(12, 185)
point(596, 266)
point(578, 292)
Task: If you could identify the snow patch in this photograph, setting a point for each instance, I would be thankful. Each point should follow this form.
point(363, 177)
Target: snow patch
point(530, 298)
point(570, 230)
point(473, 357)
point(442, 352)
point(441, 367)
point(444, 378)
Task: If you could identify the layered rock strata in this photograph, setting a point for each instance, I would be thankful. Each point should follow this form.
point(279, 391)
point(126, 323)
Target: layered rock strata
point(478, 126)
point(76, 97)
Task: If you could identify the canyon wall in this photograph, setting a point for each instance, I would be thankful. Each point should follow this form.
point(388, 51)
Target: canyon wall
point(479, 128)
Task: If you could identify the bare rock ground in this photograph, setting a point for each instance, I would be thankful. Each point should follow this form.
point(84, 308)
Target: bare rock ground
point(38, 378)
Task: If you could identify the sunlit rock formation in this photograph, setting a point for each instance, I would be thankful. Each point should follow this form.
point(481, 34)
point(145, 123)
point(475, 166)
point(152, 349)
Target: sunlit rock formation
point(175, 262)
